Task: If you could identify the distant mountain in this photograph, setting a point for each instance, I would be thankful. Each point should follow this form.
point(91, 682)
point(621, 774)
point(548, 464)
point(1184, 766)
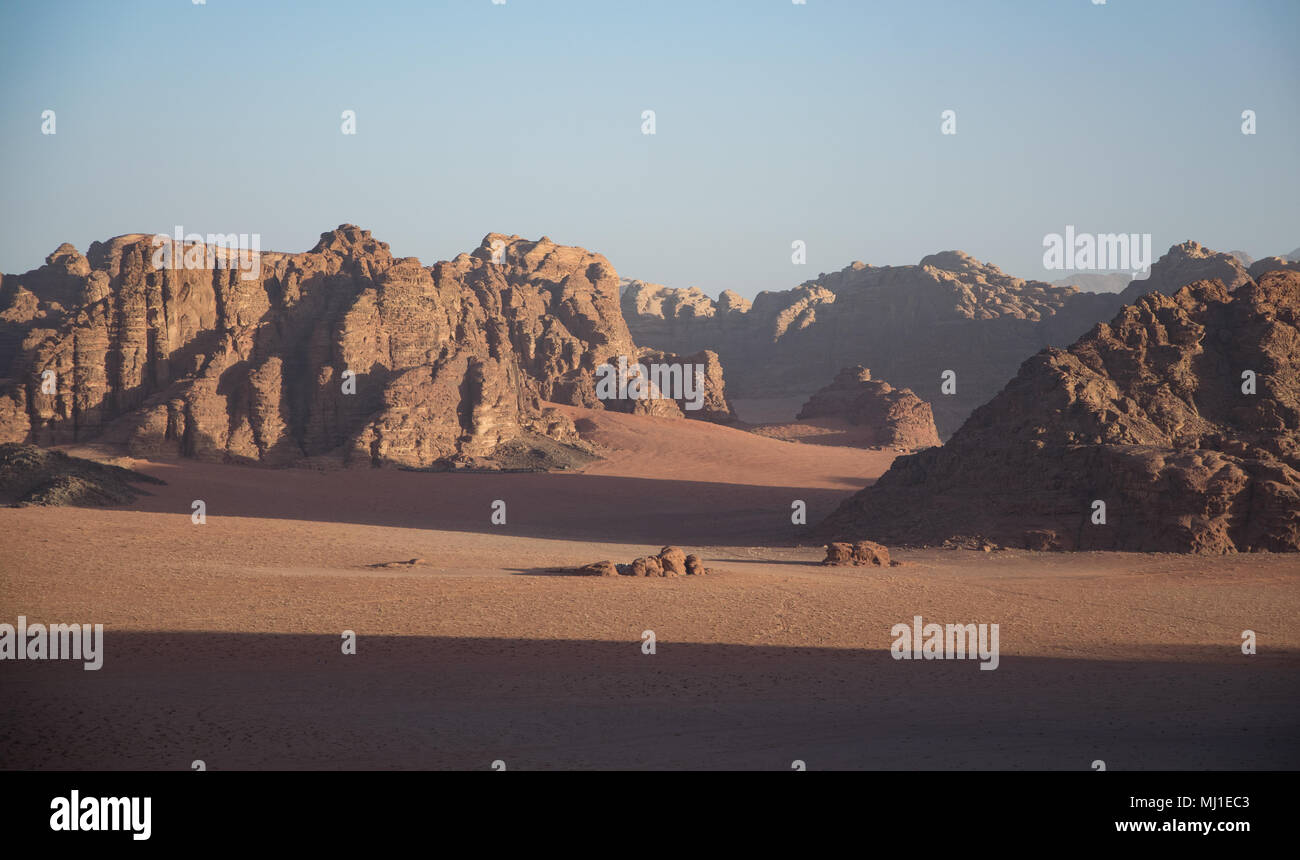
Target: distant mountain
point(1105, 282)
point(909, 324)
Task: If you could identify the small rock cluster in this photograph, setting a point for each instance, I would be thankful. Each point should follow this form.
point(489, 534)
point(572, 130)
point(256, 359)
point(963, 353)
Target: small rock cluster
point(857, 554)
point(671, 561)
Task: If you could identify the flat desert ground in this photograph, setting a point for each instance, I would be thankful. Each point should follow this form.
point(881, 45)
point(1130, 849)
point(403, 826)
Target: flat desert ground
point(222, 640)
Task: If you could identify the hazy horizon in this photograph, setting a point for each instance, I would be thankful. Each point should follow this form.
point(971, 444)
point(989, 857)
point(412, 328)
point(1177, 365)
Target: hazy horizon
point(774, 123)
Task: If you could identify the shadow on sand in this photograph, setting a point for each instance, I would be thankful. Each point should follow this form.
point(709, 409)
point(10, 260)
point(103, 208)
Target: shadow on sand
point(257, 701)
point(547, 505)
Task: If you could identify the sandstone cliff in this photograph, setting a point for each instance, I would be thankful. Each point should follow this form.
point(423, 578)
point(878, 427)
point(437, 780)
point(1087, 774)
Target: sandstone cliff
point(1181, 416)
point(343, 352)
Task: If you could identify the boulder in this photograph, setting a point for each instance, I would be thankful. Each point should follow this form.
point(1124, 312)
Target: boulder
point(599, 568)
point(673, 560)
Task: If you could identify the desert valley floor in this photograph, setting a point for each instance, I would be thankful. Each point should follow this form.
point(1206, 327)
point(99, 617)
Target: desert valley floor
point(222, 641)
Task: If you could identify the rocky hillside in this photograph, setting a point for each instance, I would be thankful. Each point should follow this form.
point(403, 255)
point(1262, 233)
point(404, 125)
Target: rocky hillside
point(344, 351)
point(909, 324)
point(1175, 427)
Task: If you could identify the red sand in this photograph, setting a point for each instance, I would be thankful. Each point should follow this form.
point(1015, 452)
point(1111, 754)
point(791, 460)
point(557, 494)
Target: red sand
point(222, 640)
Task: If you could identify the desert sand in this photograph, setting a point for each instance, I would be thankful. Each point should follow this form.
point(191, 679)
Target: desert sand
point(223, 640)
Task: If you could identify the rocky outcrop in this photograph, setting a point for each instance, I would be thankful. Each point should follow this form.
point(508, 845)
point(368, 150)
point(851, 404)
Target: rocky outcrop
point(598, 568)
point(671, 561)
point(33, 476)
point(343, 352)
point(856, 554)
point(887, 416)
point(910, 324)
point(1175, 427)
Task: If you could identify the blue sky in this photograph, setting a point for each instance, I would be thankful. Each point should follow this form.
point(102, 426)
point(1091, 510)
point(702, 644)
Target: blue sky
point(774, 122)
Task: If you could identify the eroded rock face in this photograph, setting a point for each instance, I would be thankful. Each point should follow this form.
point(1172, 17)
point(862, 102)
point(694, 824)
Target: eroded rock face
point(909, 324)
point(343, 352)
point(1150, 415)
point(890, 417)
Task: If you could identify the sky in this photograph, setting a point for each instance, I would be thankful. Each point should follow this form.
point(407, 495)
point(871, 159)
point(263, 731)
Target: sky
point(775, 122)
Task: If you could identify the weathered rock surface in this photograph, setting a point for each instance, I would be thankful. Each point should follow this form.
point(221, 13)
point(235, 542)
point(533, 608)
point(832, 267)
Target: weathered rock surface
point(888, 416)
point(343, 352)
point(673, 560)
point(909, 324)
point(1149, 414)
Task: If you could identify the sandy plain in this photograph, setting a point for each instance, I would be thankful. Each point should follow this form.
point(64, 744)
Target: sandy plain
point(222, 641)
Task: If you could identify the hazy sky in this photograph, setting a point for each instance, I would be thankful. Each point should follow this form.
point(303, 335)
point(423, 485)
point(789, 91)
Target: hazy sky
point(774, 122)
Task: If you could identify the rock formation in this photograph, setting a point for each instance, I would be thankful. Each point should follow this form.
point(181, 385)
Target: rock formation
point(671, 561)
point(887, 416)
point(1175, 427)
point(343, 352)
point(909, 324)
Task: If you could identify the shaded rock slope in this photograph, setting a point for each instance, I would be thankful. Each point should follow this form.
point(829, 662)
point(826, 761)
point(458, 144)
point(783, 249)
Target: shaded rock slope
point(1150, 415)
